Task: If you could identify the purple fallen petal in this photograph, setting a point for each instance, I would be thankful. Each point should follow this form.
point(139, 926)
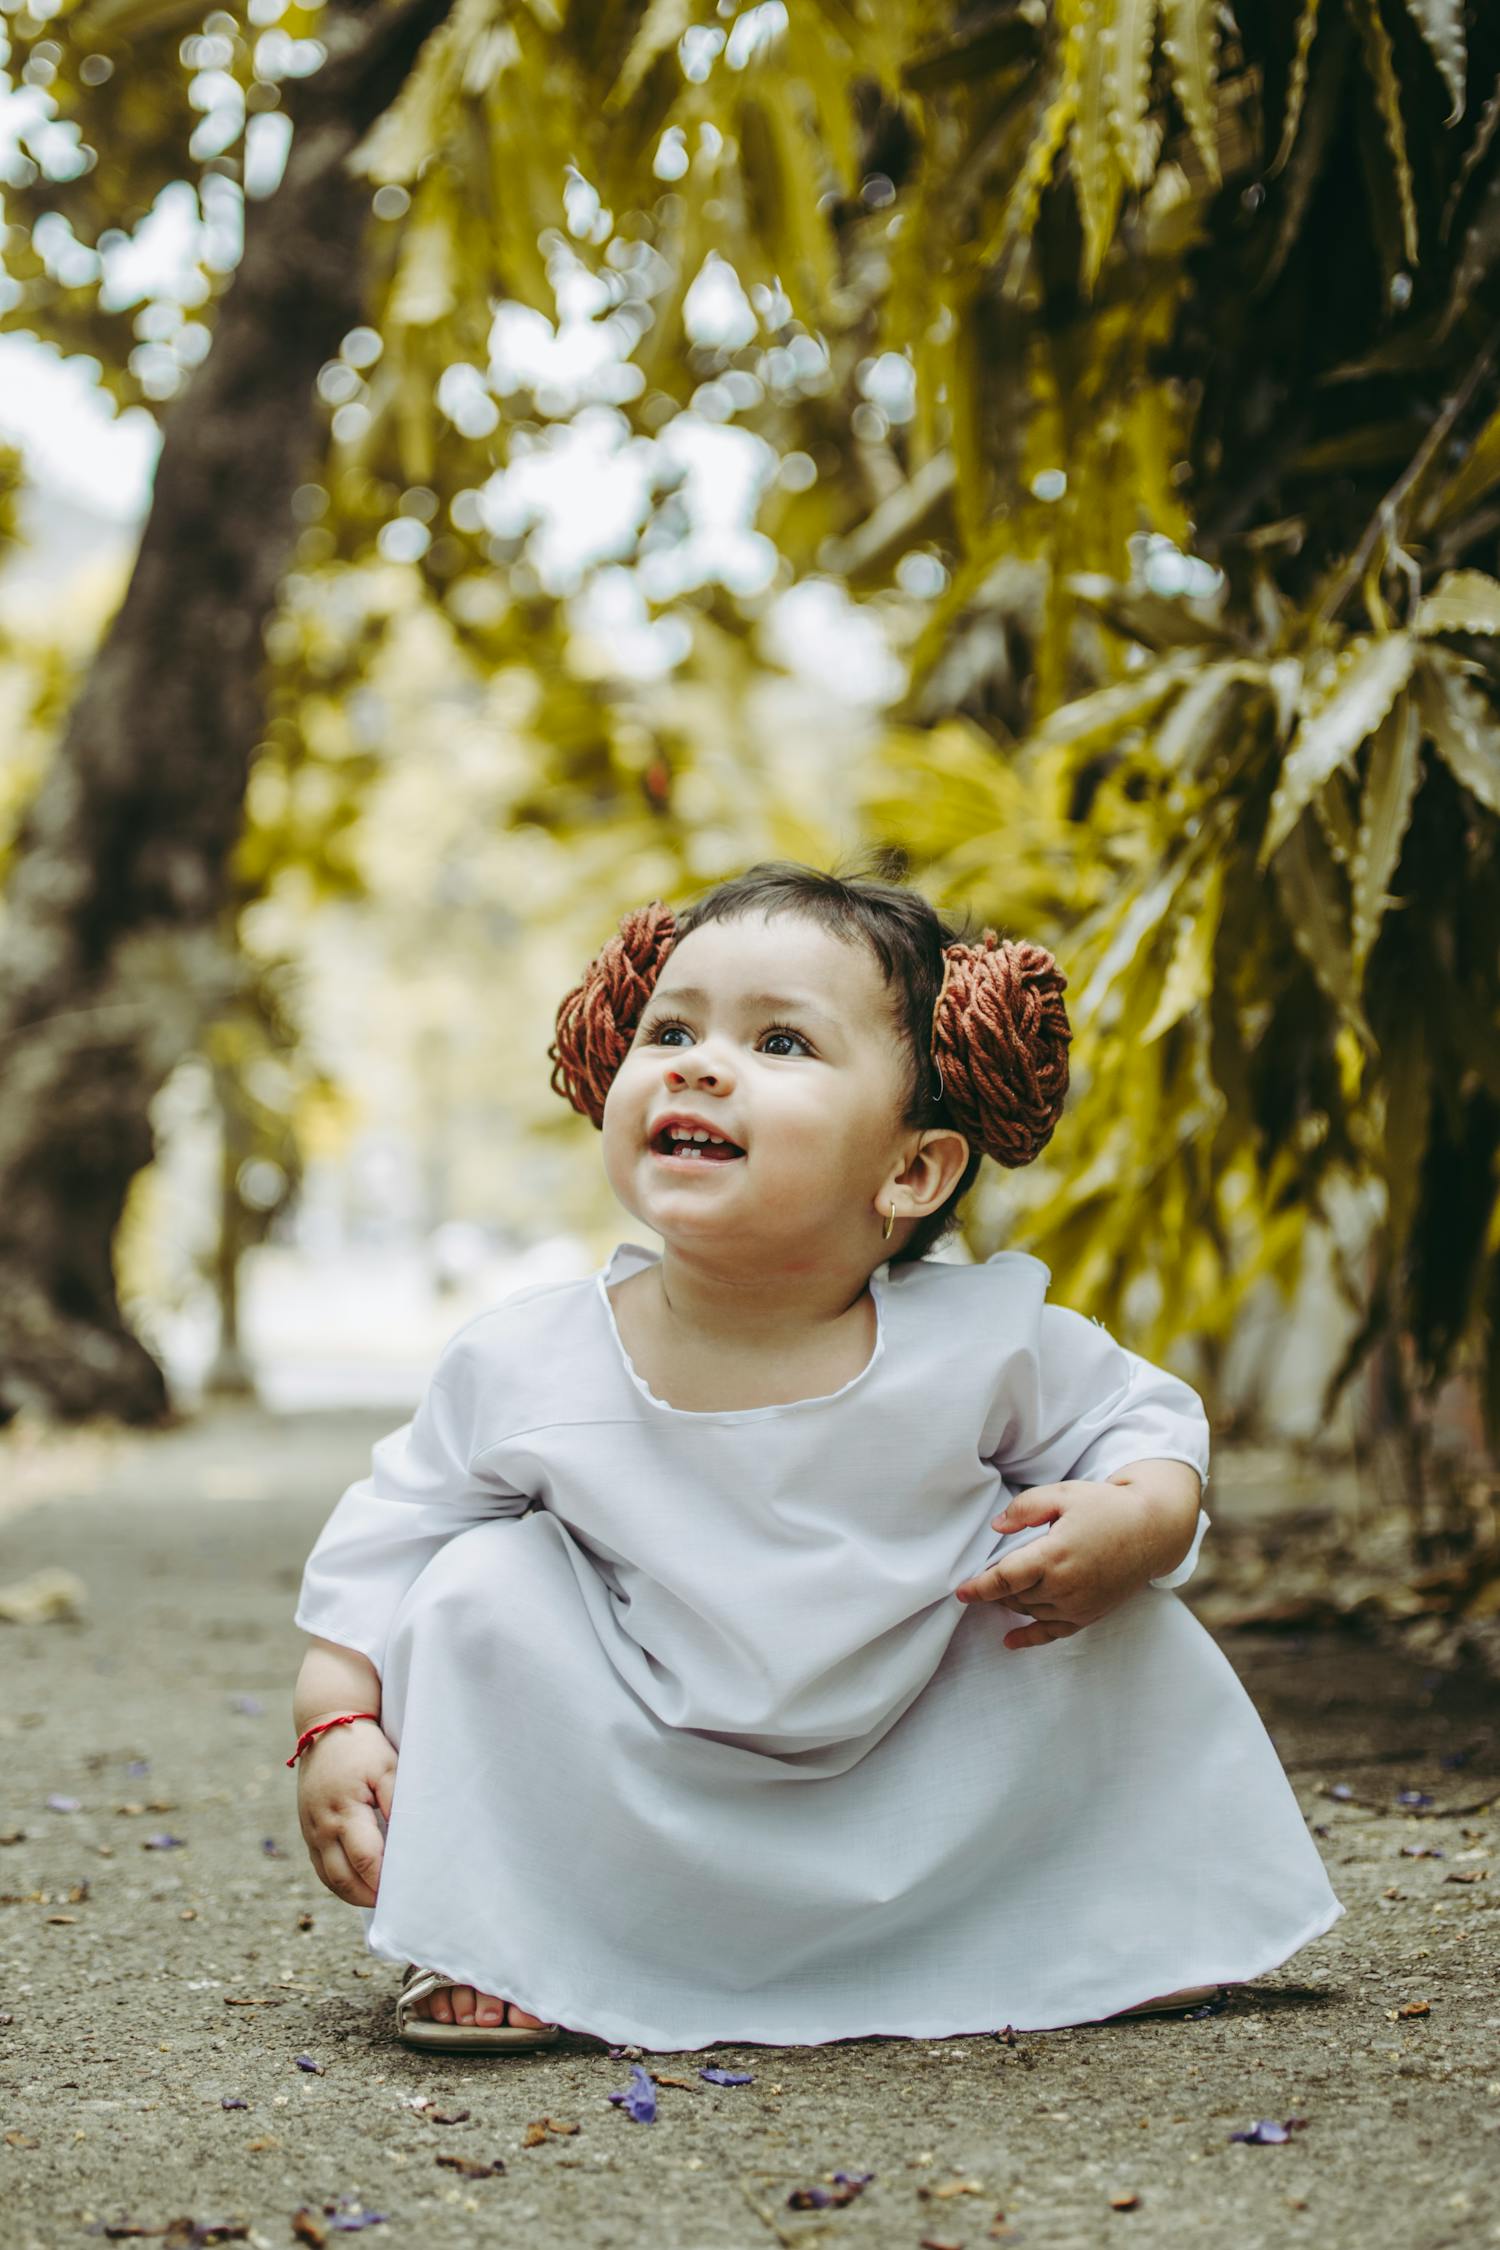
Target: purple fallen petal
point(639, 2098)
point(1264, 2129)
point(64, 1804)
point(1413, 1797)
point(232, 2101)
point(271, 1848)
point(349, 2222)
point(1341, 1790)
point(727, 2077)
point(305, 2062)
point(163, 1843)
point(853, 2179)
point(809, 2199)
point(138, 1765)
point(250, 1705)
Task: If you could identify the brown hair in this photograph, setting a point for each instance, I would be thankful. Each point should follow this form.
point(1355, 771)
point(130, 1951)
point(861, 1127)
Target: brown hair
point(983, 1025)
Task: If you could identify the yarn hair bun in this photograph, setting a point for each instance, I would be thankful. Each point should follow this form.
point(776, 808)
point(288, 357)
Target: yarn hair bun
point(1000, 1032)
point(1000, 1037)
point(598, 1019)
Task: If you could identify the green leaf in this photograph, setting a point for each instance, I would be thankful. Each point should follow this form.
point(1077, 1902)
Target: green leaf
point(1466, 601)
point(425, 288)
point(1135, 34)
point(1306, 164)
point(1189, 976)
point(115, 22)
point(1310, 891)
point(1346, 705)
point(1135, 923)
point(1390, 788)
point(1155, 621)
point(1441, 23)
point(1060, 107)
point(1189, 40)
point(1381, 64)
point(965, 58)
point(967, 397)
point(818, 52)
point(1333, 809)
point(1368, 445)
point(403, 137)
point(1474, 155)
point(1097, 178)
point(1202, 724)
point(1090, 720)
point(662, 27)
point(1477, 473)
point(1296, 83)
point(1463, 726)
point(782, 169)
point(1480, 250)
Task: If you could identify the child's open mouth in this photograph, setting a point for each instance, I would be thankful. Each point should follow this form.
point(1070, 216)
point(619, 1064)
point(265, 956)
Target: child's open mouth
point(674, 1147)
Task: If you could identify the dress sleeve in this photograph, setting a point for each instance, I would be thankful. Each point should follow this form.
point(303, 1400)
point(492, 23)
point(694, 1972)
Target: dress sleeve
point(425, 1485)
point(1086, 1407)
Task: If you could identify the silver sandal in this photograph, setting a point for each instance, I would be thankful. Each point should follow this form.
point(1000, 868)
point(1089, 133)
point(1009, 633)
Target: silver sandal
point(460, 2038)
point(1172, 2004)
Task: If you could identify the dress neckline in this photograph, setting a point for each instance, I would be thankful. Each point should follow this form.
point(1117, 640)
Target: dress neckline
point(632, 1257)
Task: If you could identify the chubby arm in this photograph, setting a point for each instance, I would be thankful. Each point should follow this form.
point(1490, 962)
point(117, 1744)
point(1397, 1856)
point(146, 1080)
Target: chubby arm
point(428, 1481)
point(333, 1680)
point(1169, 1494)
point(1108, 1456)
point(344, 1777)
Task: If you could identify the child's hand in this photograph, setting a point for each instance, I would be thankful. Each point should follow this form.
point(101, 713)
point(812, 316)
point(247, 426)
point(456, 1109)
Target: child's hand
point(1094, 1557)
point(343, 1779)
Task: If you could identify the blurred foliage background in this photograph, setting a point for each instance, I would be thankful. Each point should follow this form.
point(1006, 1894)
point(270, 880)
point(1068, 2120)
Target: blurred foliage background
point(1123, 372)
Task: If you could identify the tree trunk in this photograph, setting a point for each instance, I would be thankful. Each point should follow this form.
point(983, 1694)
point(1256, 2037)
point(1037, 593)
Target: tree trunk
point(229, 1374)
point(112, 952)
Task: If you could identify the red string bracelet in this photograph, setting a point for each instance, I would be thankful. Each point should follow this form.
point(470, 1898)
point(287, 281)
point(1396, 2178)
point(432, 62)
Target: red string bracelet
point(322, 1727)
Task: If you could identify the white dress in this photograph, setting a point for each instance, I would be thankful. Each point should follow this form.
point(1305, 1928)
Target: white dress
point(695, 1743)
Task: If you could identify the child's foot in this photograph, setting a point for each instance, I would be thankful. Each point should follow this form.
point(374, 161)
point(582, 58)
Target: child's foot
point(460, 2003)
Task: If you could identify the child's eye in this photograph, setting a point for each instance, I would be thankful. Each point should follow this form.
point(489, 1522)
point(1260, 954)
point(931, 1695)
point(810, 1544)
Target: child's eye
point(655, 1034)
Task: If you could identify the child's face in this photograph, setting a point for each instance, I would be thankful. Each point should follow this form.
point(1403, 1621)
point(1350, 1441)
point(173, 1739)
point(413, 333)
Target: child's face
point(815, 1106)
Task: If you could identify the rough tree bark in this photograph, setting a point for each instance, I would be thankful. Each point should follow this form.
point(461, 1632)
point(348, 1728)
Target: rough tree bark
point(111, 957)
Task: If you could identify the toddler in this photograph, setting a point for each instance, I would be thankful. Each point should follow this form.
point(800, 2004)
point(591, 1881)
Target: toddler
point(770, 1637)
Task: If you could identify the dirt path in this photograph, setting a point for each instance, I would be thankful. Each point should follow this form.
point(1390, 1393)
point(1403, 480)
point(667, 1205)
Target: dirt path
point(147, 1985)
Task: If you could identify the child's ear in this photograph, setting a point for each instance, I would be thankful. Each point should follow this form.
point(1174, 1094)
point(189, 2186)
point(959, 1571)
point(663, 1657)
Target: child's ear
point(933, 1172)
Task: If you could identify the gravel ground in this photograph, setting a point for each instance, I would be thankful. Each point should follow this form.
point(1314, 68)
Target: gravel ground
point(146, 1985)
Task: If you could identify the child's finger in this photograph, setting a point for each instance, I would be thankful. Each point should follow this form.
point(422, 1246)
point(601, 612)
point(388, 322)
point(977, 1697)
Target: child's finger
point(999, 1584)
point(384, 1786)
point(339, 1877)
point(361, 1846)
point(1039, 1505)
point(1032, 1636)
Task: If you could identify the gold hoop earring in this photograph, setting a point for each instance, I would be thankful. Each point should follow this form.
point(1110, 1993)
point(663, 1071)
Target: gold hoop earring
point(885, 1232)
